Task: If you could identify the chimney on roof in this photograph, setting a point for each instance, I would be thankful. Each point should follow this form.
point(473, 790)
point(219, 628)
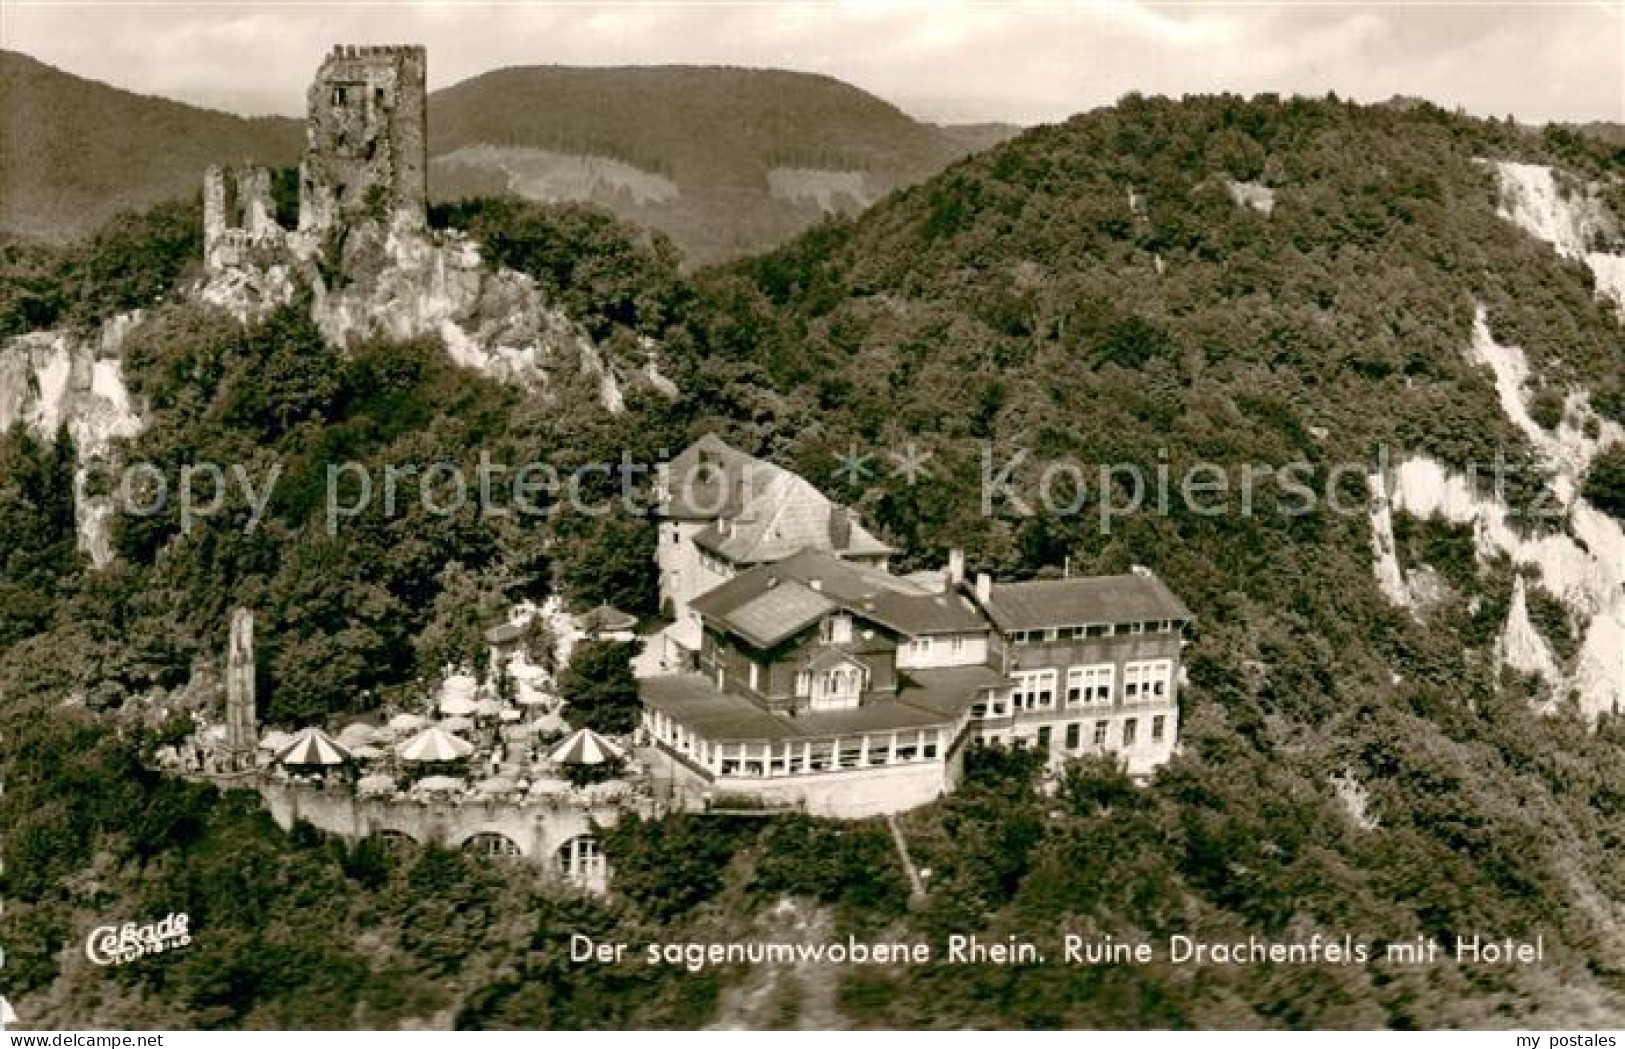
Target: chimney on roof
point(954, 573)
point(816, 583)
point(984, 588)
point(840, 527)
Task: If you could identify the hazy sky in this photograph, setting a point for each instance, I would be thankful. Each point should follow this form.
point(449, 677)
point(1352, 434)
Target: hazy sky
point(941, 61)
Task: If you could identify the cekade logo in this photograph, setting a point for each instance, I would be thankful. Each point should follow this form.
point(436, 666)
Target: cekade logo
point(122, 944)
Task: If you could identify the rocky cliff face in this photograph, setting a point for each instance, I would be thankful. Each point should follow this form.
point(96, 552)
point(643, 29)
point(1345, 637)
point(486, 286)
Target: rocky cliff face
point(403, 283)
point(1569, 215)
point(1582, 563)
point(395, 283)
point(50, 381)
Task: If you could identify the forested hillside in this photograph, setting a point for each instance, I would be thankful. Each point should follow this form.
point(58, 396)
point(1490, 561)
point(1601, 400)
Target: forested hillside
point(1097, 291)
point(77, 151)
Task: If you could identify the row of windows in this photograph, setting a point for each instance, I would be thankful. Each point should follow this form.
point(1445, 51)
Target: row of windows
point(1144, 681)
point(795, 757)
point(841, 683)
point(922, 646)
point(1067, 633)
point(1101, 738)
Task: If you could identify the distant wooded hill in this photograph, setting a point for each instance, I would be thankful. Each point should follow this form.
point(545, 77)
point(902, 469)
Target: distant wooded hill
point(724, 161)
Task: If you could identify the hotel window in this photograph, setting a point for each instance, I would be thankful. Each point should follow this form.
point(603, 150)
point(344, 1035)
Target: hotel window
point(928, 750)
point(1035, 690)
point(907, 748)
point(1146, 681)
point(1052, 634)
point(1100, 734)
point(956, 645)
point(1073, 733)
point(1043, 738)
point(841, 683)
point(803, 683)
point(1100, 630)
point(1091, 684)
point(921, 646)
point(1158, 724)
point(1077, 632)
point(1129, 727)
point(755, 677)
point(851, 753)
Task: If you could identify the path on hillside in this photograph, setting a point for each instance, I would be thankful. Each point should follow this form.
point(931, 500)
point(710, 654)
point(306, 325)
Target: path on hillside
point(916, 885)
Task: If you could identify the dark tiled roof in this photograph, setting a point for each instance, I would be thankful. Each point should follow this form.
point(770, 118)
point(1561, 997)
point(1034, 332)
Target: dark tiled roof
point(701, 494)
point(770, 512)
point(917, 614)
point(810, 583)
point(694, 701)
point(1041, 604)
point(772, 615)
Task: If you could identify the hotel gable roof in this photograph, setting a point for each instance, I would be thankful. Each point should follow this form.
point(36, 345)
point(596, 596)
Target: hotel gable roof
point(770, 604)
point(758, 512)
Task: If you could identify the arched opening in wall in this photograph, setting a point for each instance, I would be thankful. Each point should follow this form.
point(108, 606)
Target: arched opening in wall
point(490, 843)
point(396, 840)
point(581, 860)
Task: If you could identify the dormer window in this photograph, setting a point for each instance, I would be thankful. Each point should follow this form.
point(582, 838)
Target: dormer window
point(836, 630)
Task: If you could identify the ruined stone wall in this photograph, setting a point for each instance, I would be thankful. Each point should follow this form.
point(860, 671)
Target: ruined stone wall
point(366, 139)
point(238, 213)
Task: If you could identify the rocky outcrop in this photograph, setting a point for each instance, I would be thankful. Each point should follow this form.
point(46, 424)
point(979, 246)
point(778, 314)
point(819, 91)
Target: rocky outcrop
point(1582, 565)
point(1567, 214)
point(1253, 195)
point(50, 381)
point(1520, 646)
point(1581, 561)
point(399, 282)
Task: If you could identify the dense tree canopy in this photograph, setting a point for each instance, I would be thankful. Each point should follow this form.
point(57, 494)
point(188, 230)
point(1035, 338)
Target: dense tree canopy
point(1090, 292)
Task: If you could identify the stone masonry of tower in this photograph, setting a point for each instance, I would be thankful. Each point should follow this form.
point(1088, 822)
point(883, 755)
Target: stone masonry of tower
point(366, 140)
point(238, 213)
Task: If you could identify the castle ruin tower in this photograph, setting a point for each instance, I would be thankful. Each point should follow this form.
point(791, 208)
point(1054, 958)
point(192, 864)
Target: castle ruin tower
point(242, 727)
point(366, 140)
point(238, 214)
